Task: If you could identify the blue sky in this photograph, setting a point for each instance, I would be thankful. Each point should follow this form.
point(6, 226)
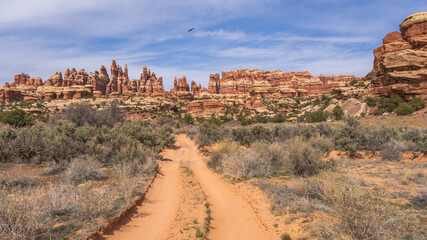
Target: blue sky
point(324, 37)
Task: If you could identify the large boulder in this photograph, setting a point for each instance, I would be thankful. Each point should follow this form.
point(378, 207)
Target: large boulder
point(353, 107)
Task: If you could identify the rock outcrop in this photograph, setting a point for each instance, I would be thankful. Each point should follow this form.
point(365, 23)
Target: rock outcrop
point(205, 108)
point(293, 84)
point(77, 84)
point(400, 65)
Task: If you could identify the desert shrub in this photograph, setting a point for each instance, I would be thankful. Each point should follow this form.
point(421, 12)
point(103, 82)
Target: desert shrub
point(7, 135)
point(318, 116)
point(371, 101)
point(270, 154)
point(188, 119)
point(219, 151)
point(142, 131)
point(279, 118)
point(413, 135)
point(243, 135)
point(17, 118)
point(338, 113)
point(391, 151)
point(136, 158)
point(261, 133)
point(389, 104)
point(83, 114)
point(23, 216)
point(284, 132)
point(324, 130)
point(417, 103)
point(166, 121)
point(260, 160)
point(29, 143)
point(16, 179)
point(283, 199)
point(323, 144)
point(404, 109)
point(347, 137)
point(260, 119)
point(210, 134)
point(82, 169)
point(359, 214)
point(302, 158)
point(242, 164)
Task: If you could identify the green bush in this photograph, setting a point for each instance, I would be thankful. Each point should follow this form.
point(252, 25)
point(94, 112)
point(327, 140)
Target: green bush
point(210, 134)
point(284, 132)
point(188, 119)
point(338, 113)
point(417, 103)
point(371, 102)
point(404, 109)
point(16, 118)
point(318, 116)
point(389, 104)
point(243, 135)
point(279, 118)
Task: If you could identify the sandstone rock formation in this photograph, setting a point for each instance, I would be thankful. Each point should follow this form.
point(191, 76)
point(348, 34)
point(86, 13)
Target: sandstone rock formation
point(77, 84)
point(205, 108)
point(400, 65)
point(292, 84)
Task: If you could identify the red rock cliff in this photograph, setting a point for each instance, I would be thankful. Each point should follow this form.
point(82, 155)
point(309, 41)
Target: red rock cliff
point(400, 64)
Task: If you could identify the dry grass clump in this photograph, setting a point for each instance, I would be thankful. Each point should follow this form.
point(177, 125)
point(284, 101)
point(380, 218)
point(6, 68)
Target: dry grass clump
point(82, 169)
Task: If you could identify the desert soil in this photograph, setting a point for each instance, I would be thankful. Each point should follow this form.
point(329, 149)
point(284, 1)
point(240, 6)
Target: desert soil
point(166, 212)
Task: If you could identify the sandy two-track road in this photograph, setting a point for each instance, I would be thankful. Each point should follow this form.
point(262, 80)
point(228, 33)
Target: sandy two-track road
point(233, 218)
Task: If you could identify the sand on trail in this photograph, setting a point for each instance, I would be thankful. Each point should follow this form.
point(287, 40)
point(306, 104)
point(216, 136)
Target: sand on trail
point(232, 217)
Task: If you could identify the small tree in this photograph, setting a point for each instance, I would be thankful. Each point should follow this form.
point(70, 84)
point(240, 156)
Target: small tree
point(338, 113)
point(404, 109)
point(417, 103)
point(16, 118)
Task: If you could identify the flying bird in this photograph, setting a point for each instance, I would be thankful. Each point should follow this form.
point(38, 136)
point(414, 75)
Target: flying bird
point(191, 29)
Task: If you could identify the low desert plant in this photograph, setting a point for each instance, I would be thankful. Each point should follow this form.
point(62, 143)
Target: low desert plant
point(82, 169)
point(23, 216)
point(359, 214)
point(302, 158)
point(391, 151)
point(219, 151)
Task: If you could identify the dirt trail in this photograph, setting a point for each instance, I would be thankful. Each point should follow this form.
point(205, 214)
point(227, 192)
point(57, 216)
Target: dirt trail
point(156, 214)
point(233, 218)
